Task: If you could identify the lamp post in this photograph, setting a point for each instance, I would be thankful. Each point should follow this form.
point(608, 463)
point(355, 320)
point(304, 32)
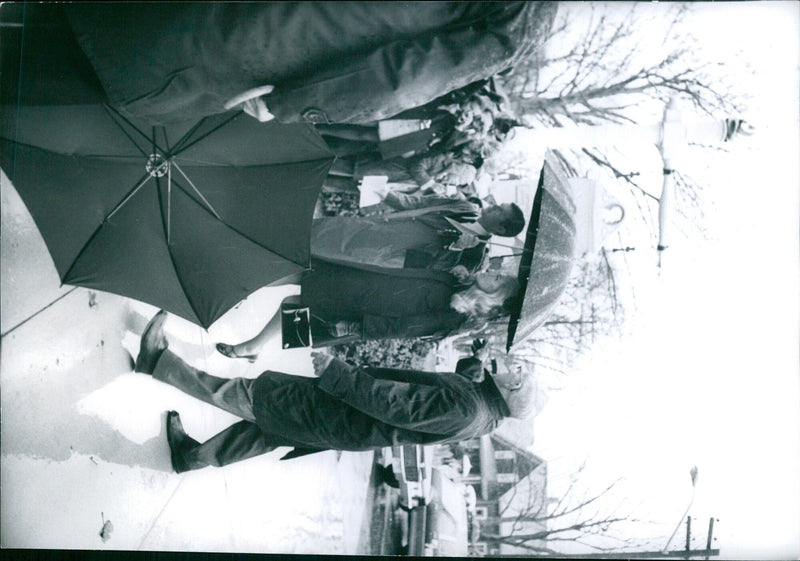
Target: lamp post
point(693, 475)
point(672, 136)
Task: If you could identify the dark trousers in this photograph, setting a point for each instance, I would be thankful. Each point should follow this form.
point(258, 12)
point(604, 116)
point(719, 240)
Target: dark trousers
point(238, 442)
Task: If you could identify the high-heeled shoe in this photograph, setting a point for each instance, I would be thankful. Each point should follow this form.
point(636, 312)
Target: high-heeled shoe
point(230, 352)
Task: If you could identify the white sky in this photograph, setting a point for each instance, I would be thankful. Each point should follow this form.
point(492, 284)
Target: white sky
point(709, 374)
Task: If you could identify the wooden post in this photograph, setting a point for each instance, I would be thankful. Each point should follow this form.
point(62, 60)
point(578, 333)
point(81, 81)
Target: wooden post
point(688, 532)
point(710, 533)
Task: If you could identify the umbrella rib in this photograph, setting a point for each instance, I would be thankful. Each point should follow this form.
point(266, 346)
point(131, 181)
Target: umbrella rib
point(195, 141)
point(206, 162)
point(130, 194)
point(166, 138)
point(196, 190)
point(103, 223)
point(177, 274)
point(169, 202)
point(191, 131)
point(108, 156)
point(111, 111)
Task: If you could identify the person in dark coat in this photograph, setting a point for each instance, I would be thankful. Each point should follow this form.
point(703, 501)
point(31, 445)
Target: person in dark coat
point(454, 122)
point(345, 62)
point(415, 231)
point(377, 304)
point(345, 408)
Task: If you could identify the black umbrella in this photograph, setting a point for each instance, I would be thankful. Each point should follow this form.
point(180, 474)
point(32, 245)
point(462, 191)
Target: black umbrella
point(547, 256)
point(190, 218)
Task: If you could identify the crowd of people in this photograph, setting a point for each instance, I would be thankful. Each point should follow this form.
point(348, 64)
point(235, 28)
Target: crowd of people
point(401, 94)
point(439, 148)
point(412, 265)
point(409, 266)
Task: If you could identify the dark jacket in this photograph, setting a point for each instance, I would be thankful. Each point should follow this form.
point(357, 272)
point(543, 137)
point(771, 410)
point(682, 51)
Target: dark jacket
point(418, 237)
point(354, 62)
point(388, 304)
point(350, 408)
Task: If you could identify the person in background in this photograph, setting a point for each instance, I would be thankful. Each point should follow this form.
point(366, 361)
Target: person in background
point(427, 172)
point(414, 231)
point(369, 305)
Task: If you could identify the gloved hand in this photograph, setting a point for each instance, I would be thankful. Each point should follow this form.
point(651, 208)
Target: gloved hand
point(320, 362)
point(479, 349)
point(252, 103)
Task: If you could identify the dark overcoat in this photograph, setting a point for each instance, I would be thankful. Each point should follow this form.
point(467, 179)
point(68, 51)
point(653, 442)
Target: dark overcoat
point(351, 408)
point(352, 62)
point(396, 303)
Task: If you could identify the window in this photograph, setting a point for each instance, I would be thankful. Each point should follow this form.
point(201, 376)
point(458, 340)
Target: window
point(480, 548)
point(506, 477)
point(505, 466)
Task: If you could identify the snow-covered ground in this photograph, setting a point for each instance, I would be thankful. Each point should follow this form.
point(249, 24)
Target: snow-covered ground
point(83, 439)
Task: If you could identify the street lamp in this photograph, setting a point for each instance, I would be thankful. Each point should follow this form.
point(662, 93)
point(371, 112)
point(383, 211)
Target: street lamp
point(677, 130)
point(693, 475)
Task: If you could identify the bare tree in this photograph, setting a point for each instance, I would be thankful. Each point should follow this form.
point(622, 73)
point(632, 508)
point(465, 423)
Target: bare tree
point(527, 520)
point(599, 66)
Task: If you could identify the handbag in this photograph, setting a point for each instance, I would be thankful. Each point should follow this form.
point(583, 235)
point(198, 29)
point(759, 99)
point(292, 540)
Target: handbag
point(300, 328)
point(295, 326)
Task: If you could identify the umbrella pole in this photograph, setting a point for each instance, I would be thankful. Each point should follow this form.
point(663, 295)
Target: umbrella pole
point(169, 202)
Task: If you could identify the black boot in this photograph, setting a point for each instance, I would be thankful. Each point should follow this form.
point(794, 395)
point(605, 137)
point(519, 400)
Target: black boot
point(180, 444)
point(152, 345)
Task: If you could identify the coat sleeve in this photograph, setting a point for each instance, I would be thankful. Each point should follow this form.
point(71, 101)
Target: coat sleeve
point(416, 201)
point(410, 72)
point(443, 408)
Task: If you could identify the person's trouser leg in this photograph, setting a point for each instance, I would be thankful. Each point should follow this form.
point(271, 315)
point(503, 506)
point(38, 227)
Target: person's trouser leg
point(238, 442)
point(234, 395)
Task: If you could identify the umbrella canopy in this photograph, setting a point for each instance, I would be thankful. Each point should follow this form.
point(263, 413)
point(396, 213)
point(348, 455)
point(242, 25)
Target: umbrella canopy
point(547, 257)
point(190, 218)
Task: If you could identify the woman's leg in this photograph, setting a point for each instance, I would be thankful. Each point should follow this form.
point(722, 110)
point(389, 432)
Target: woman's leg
point(251, 347)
